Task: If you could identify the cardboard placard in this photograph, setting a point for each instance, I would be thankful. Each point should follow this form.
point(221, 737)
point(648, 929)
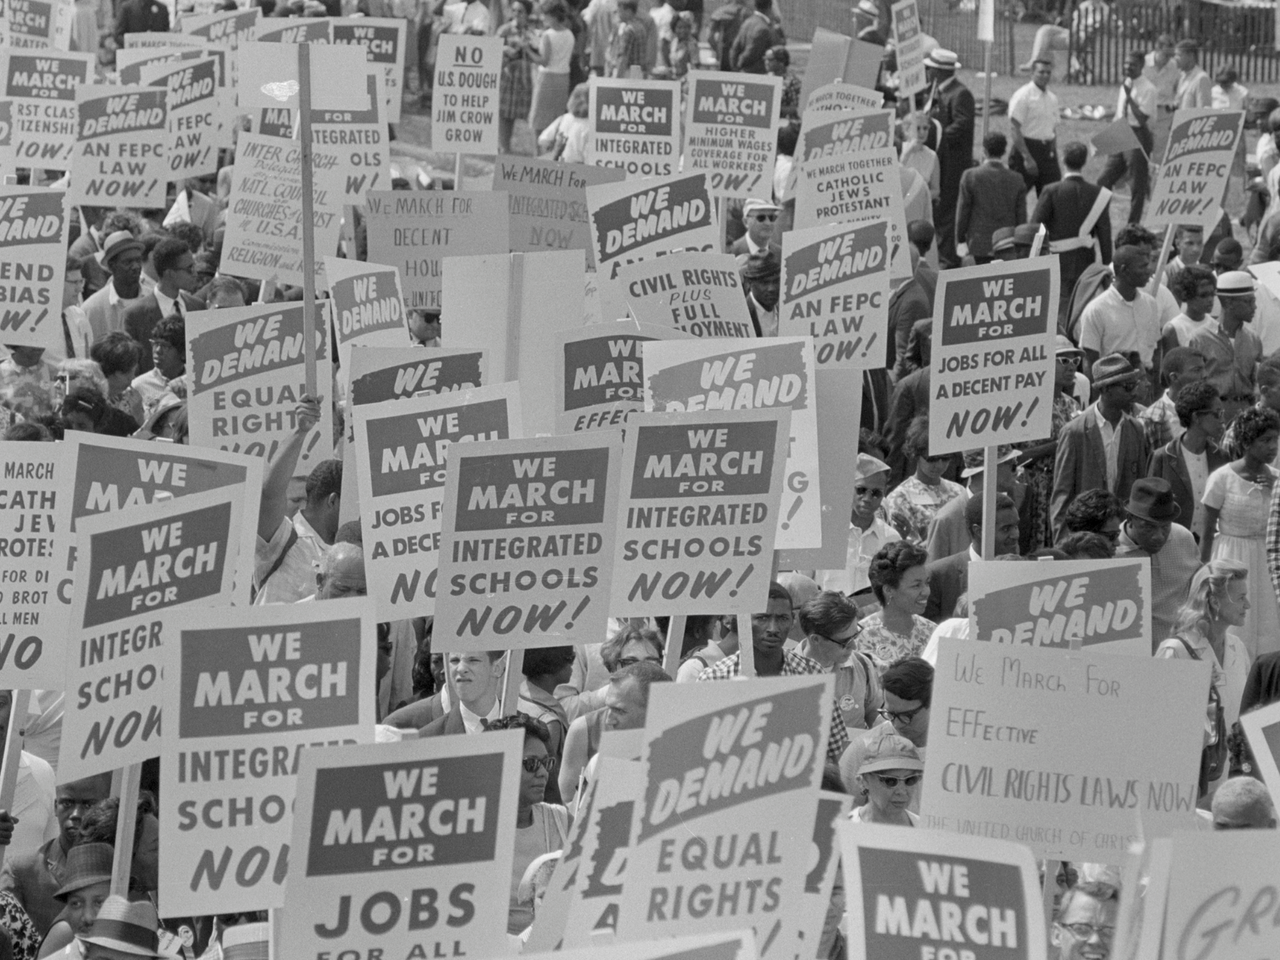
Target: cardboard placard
point(1098, 605)
point(731, 128)
point(33, 259)
point(835, 289)
point(549, 202)
point(1198, 158)
point(267, 76)
point(834, 57)
point(41, 88)
point(695, 375)
point(526, 555)
point(908, 45)
point(635, 126)
point(402, 447)
point(130, 63)
point(367, 306)
point(909, 892)
point(248, 372)
point(248, 696)
point(699, 513)
point(195, 106)
point(1262, 727)
point(141, 573)
point(994, 330)
point(383, 41)
point(839, 97)
point(349, 148)
point(464, 102)
point(39, 24)
point(737, 945)
point(352, 881)
point(230, 28)
point(122, 146)
point(415, 231)
point(161, 38)
point(721, 737)
point(824, 865)
point(694, 293)
point(1063, 752)
point(294, 30)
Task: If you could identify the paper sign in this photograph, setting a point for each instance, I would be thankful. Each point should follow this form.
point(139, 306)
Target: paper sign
point(464, 114)
point(924, 893)
point(1262, 726)
point(39, 24)
point(161, 38)
point(35, 585)
point(600, 373)
point(1099, 605)
point(835, 289)
point(908, 45)
point(354, 881)
point(696, 293)
point(415, 231)
point(248, 368)
point(839, 97)
point(33, 257)
point(700, 494)
point(635, 126)
point(122, 148)
point(229, 28)
point(993, 355)
point(526, 555)
point(749, 375)
point(632, 221)
point(823, 864)
point(1072, 754)
point(1198, 158)
point(349, 147)
point(245, 698)
point(367, 306)
point(140, 575)
point(551, 914)
point(725, 739)
point(383, 42)
point(549, 202)
point(738, 945)
point(42, 89)
point(402, 449)
point(194, 114)
point(130, 63)
point(731, 131)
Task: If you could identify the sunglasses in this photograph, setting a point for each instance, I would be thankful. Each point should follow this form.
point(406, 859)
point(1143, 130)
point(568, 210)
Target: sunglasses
point(533, 764)
point(765, 217)
point(632, 661)
point(905, 716)
point(868, 491)
point(937, 458)
point(892, 782)
point(1083, 931)
point(843, 642)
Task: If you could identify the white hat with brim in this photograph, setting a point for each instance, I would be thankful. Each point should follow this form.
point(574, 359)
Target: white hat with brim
point(126, 927)
point(941, 59)
point(1235, 283)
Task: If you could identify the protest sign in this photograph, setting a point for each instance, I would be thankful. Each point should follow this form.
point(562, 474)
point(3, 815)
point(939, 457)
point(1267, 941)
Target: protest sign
point(839, 97)
point(312, 30)
point(464, 101)
point(248, 696)
point(993, 355)
point(717, 475)
point(928, 894)
point(695, 293)
point(600, 373)
point(1098, 605)
point(731, 131)
point(194, 113)
point(848, 173)
point(230, 28)
point(767, 740)
point(35, 585)
point(820, 878)
point(836, 58)
point(549, 202)
point(635, 126)
point(130, 63)
point(33, 238)
point(41, 88)
point(908, 45)
point(835, 289)
point(248, 372)
point(736, 945)
point(415, 231)
point(356, 880)
point(1262, 727)
point(1192, 181)
point(122, 146)
point(349, 147)
point(264, 216)
point(694, 375)
point(527, 543)
point(367, 306)
point(140, 573)
point(553, 912)
point(383, 42)
point(161, 38)
point(402, 447)
point(39, 24)
point(1063, 752)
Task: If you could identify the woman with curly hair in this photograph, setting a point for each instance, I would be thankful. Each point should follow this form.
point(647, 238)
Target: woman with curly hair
point(1237, 503)
point(899, 581)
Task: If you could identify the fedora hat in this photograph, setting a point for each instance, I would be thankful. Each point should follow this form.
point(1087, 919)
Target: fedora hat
point(1113, 368)
point(126, 927)
point(1151, 498)
point(941, 59)
point(86, 864)
point(116, 244)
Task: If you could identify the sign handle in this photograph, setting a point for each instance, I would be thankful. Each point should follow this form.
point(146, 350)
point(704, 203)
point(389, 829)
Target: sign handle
point(267, 291)
point(991, 456)
point(13, 751)
point(511, 682)
point(1165, 248)
point(308, 217)
point(675, 640)
point(746, 652)
point(986, 84)
point(457, 171)
point(126, 823)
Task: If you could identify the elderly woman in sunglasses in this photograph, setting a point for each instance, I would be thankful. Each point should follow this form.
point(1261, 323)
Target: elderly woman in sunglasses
point(890, 774)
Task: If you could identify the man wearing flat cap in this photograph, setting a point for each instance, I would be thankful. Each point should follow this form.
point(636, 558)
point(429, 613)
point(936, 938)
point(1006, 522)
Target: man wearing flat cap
point(1230, 348)
point(761, 276)
point(121, 255)
point(954, 109)
point(868, 532)
point(1106, 446)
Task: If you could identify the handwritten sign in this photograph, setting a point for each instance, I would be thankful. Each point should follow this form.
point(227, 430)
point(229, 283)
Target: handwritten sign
point(696, 293)
point(33, 238)
point(464, 102)
point(549, 202)
point(42, 89)
point(1198, 159)
point(731, 131)
point(635, 126)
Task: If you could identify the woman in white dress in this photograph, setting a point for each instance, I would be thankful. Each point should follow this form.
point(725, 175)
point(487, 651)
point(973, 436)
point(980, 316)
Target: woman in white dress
point(551, 77)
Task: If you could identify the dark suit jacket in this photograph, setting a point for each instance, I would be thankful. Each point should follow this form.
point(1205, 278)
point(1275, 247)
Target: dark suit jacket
point(954, 109)
point(948, 581)
point(1081, 462)
point(756, 35)
point(416, 715)
point(1062, 208)
point(141, 319)
point(907, 304)
point(910, 399)
point(141, 16)
point(991, 196)
point(1167, 463)
point(450, 723)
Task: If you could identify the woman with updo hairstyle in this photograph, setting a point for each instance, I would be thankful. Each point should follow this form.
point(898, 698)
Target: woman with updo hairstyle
point(901, 585)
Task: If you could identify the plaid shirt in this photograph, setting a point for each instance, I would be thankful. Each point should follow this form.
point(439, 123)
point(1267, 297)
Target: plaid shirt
point(793, 665)
point(1161, 422)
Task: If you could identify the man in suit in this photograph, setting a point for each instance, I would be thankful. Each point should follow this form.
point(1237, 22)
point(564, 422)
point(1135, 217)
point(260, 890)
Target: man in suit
point(758, 216)
point(477, 688)
point(1149, 531)
point(1076, 216)
point(949, 577)
point(1106, 446)
point(954, 109)
point(1200, 412)
point(755, 38)
point(175, 265)
point(991, 196)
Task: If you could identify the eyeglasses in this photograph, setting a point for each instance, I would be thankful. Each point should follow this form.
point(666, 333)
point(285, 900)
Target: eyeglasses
point(892, 782)
point(843, 642)
point(936, 458)
point(67, 804)
point(1084, 931)
point(906, 716)
point(868, 491)
point(765, 217)
point(534, 764)
point(632, 661)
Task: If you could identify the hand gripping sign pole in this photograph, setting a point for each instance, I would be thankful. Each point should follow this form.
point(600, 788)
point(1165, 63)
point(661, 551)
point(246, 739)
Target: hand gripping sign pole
point(13, 751)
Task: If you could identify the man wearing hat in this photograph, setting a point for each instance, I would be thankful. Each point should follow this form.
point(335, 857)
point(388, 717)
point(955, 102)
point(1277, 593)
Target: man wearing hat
point(1124, 318)
point(758, 216)
point(1230, 348)
point(1076, 216)
point(756, 36)
point(948, 531)
point(890, 771)
point(1105, 446)
point(121, 255)
point(123, 930)
point(954, 109)
point(1149, 531)
point(868, 532)
point(760, 279)
point(85, 887)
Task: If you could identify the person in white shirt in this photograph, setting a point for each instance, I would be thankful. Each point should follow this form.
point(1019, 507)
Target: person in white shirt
point(1189, 245)
point(868, 532)
point(1161, 69)
point(121, 255)
point(1195, 90)
point(1196, 289)
point(1123, 318)
point(1033, 123)
point(1137, 103)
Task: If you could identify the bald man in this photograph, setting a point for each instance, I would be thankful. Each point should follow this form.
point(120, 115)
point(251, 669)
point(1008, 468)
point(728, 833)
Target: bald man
point(1243, 803)
point(341, 573)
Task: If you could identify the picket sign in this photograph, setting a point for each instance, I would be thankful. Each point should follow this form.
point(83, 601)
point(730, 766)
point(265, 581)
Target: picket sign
point(130, 780)
point(13, 751)
point(308, 215)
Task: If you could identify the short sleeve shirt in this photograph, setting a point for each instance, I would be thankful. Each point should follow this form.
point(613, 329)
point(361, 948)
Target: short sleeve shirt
point(1111, 324)
point(1036, 111)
